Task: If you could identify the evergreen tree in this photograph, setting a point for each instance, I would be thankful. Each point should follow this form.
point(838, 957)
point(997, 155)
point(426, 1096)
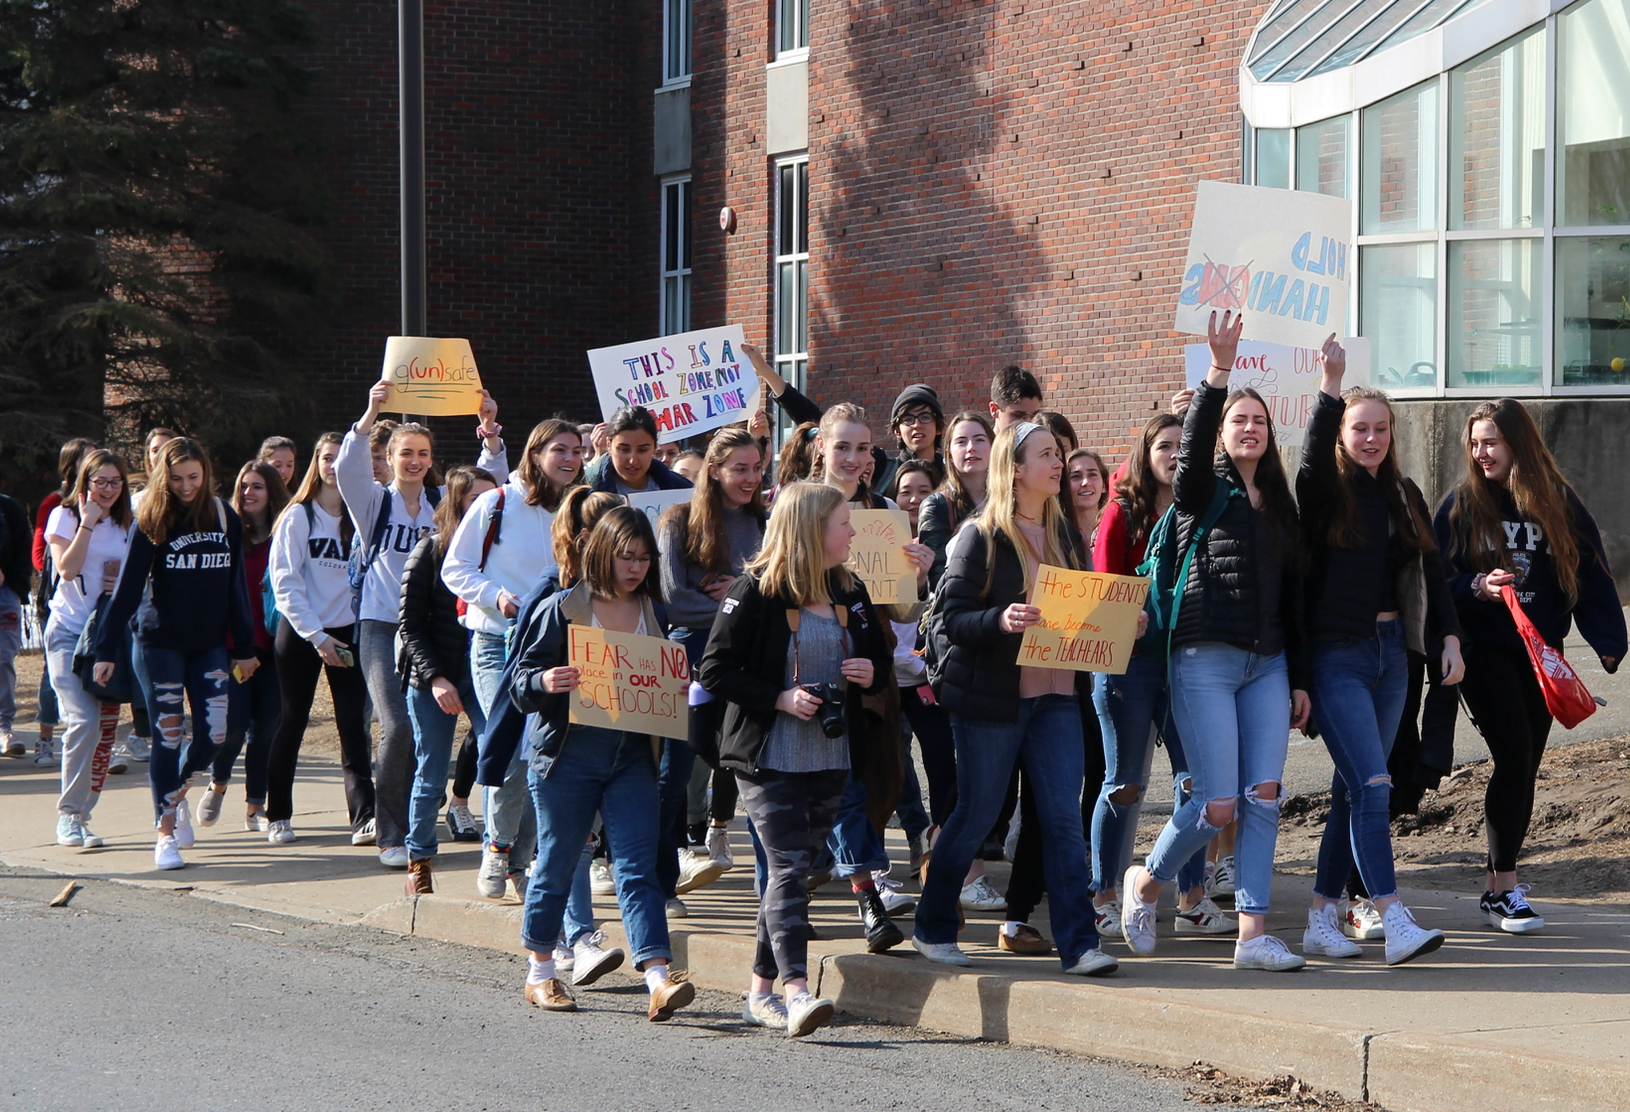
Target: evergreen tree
point(157, 201)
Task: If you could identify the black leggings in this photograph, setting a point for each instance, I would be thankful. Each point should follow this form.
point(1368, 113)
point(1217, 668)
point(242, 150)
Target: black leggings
point(1028, 883)
point(464, 770)
point(1507, 706)
point(298, 667)
point(932, 728)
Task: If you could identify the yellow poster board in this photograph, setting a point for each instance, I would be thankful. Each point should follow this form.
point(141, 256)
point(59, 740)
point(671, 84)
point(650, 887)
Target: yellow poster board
point(1088, 620)
point(629, 682)
point(878, 556)
point(430, 376)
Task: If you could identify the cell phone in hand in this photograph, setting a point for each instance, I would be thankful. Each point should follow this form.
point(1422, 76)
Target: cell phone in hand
point(347, 659)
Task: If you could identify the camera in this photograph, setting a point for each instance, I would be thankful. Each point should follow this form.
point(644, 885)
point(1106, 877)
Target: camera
point(830, 713)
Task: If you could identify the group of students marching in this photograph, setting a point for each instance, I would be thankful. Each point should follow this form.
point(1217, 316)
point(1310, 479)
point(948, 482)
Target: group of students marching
point(427, 595)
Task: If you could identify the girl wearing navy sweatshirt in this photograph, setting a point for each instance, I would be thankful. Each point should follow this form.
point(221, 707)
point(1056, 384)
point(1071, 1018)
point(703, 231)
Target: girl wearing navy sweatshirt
point(1515, 524)
point(183, 582)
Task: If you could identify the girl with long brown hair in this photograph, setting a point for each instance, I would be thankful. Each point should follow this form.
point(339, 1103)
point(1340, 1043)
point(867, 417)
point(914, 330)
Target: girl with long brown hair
point(1514, 523)
point(968, 438)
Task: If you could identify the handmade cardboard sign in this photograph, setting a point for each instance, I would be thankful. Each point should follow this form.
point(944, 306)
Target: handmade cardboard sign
point(691, 381)
point(1282, 257)
point(652, 502)
point(629, 682)
point(1286, 377)
point(430, 377)
point(1088, 620)
point(877, 555)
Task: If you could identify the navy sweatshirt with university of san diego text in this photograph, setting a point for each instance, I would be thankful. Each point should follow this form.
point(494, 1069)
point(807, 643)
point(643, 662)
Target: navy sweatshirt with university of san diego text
point(199, 599)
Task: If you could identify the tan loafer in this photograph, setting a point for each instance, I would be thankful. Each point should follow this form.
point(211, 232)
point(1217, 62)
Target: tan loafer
point(1027, 941)
point(673, 994)
point(551, 996)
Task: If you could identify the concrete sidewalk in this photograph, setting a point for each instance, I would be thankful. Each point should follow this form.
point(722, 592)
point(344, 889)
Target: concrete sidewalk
point(1491, 1022)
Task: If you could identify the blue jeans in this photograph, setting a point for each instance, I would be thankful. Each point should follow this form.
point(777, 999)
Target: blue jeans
point(1047, 738)
point(854, 843)
point(433, 730)
point(253, 711)
point(610, 772)
point(1127, 705)
point(1233, 710)
point(11, 643)
point(1359, 688)
point(202, 679)
point(678, 761)
point(507, 809)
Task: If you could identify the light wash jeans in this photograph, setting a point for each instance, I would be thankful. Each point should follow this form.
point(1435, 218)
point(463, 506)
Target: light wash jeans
point(507, 810)
point(88, 727)
point(1233, 710)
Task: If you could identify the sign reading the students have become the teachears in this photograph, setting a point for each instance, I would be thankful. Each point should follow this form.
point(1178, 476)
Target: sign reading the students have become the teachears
point(878, 555)
point(1282, 257)
point(627, 681)
point(430, 377)
point(1286, 377)
point(691, 382)
point(1088, 620)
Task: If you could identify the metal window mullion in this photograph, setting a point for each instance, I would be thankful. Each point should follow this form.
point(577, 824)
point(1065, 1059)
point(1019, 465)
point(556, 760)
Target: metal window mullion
point(1354, 33)
point(1440, 223)
point(1353, 319)
point(1419, 8)
point(1550, 341)
point(1288, 32)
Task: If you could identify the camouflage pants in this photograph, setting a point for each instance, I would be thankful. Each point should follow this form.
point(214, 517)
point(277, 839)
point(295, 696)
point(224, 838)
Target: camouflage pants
point(793, 813)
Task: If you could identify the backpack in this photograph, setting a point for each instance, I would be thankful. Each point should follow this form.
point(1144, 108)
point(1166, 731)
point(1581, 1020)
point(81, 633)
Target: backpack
point(362, 556)
point(493, 528)
point(1168, 571)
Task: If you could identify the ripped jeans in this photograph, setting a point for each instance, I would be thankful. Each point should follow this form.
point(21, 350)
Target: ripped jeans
point(201, 678)
point(1232, 708)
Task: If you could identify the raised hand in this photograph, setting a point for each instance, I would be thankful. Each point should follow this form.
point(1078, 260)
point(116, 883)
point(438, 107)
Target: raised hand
point(1224, 343)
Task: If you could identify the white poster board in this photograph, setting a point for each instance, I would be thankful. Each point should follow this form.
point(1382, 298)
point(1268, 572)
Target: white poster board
point(1286, 377)
point(691, 381)
point(1282, 257)
point(652, 502)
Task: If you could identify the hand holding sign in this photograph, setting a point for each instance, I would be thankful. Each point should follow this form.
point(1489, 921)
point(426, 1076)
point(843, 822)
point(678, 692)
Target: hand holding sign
point(1082, 620)
point(434, 377)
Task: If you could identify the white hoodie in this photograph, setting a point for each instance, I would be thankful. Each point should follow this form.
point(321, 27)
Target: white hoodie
point(309, 571)
point(520, 557)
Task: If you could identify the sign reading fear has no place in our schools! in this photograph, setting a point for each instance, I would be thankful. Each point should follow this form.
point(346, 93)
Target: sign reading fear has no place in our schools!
point(1282, 257)
point(430, 376)
point(691, 381)
point(629, 682)
point(1286, 377)
point(1088, 620)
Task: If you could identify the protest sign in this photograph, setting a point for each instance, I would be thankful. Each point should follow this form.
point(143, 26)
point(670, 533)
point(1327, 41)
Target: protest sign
point(1281, 257)
point(691, 382)
point(1286, 377)
point(877, 555)
point(629, 682)
point(430, 377)
point(1088, 620)
point(652, 502)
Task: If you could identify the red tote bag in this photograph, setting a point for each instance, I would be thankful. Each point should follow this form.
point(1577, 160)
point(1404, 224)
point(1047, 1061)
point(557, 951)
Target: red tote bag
point(1565, 694)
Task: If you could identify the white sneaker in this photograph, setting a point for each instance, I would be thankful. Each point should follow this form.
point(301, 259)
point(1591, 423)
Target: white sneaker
point(209, 807)
point(980, 896)
point(1137, 916)
point(394, 857)
point(806, 1012)
point(718, 846)
point(1360, 921)
point(1093, 963)
point(895, 902)
point(10, 744)
point(184, 836)
point(364, 835)
point(489, 879)
point(68, 832)
point(1323, 937)
point(1108, 919)
point(1204, 917)
point(119, 762)
point(601, 882)
point(1221, 881)
point(765, 1009)
point(591, 960)
point(676, 909)
point(1266, 952)
point(697, 872)
point(941, 953)
point(565, 960)
point(166, 854)
point(1407, 939)
point(87, 839)
point(45, 753)
point(139, 748)
point(281, 832)
point(257, 823)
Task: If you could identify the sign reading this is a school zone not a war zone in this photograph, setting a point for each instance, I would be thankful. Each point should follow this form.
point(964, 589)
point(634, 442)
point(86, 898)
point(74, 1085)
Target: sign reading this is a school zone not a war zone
point(878, 556)
point(1088, 620)
point(1282, 257)
point(629, 682)
point(1286, 377)
point(431, 377)
point(690, 381)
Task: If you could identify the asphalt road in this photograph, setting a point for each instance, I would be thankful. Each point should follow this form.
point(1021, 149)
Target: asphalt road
point(139, 999)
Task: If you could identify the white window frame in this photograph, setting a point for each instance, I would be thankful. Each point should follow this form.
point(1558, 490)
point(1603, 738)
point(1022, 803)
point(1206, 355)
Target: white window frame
point(678, 36)
point(796, 12)
point(791, 363)
point(674, 285)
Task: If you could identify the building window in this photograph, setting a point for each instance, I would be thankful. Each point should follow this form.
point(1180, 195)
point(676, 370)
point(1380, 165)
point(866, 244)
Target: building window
point(676, 36)
point(676, 256)
point(1398, 311)
point(1497, 138)
point(1321, 157)
point(792, 270)
point(1272, 162)
point(1400, 163)
point(1494, 313)
point(1593, 114)
point(791, 25)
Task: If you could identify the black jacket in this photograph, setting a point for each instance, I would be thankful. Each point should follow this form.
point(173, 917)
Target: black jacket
point(746, 660)
point(16, 548)
point(433, 642)
point(1221, 599)
point(1344, 585)
point(602, 476)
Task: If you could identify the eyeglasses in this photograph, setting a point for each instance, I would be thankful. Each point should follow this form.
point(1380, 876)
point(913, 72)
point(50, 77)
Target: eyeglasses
point(924, 418)
point(107, 484)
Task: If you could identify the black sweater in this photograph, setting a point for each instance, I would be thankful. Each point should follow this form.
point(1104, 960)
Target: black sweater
point(1345, 585)
point(199, 600)
point(1222, 599)
point(1527, 554)
point(433, 642)
point(16, 548)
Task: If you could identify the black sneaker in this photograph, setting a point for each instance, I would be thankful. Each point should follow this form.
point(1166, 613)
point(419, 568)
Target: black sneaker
point(696, 835)
point(1509, 911)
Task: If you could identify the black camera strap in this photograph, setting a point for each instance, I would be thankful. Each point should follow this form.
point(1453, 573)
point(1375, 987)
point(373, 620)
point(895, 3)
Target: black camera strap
point(795, 617)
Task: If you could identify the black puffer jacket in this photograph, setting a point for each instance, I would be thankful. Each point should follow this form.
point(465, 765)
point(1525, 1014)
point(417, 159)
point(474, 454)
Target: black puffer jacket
point(1222, 597)
point(1345, 585)
point(433, 642)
